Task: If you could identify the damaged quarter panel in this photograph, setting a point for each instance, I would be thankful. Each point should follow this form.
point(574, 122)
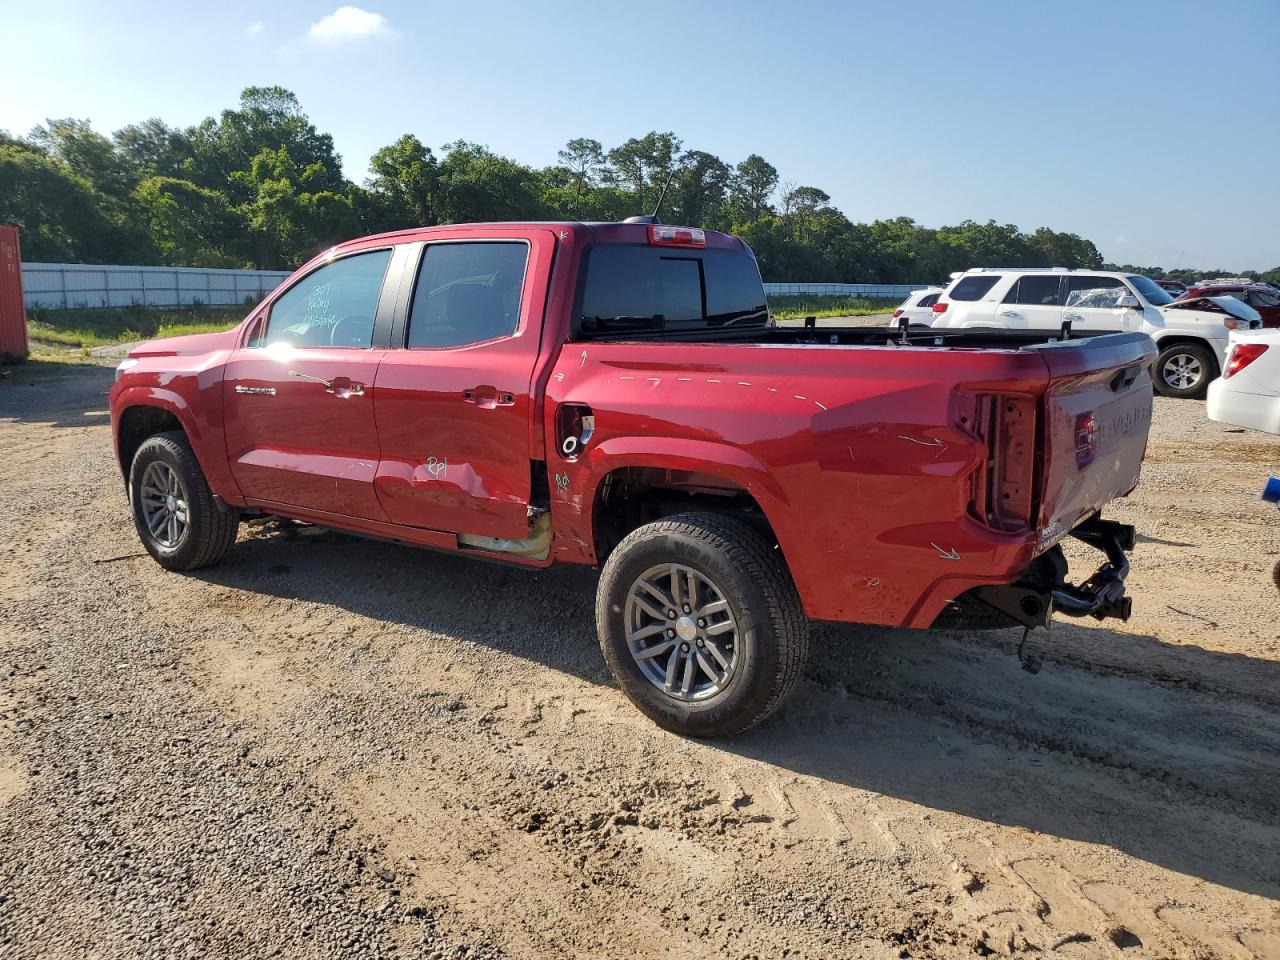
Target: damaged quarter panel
point(856, 456)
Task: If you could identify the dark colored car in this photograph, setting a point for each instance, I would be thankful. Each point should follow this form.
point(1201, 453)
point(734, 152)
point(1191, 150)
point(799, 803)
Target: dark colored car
point(1262, 297)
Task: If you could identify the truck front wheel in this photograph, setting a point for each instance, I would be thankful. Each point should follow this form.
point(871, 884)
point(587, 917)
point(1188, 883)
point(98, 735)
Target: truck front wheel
point(700, 624)
point(176, 516)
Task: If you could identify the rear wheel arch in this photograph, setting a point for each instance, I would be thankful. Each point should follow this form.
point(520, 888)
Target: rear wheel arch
point(630, 497)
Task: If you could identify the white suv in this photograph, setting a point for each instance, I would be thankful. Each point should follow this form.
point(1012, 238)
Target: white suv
point(1190, 334)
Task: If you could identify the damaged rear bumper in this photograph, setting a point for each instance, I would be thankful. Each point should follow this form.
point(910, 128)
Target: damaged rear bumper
point(1044, 589)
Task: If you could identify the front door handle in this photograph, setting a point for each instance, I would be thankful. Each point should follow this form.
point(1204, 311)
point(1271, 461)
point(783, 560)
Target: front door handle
point(341, 387)
point(1011, 314)
point(307, 376)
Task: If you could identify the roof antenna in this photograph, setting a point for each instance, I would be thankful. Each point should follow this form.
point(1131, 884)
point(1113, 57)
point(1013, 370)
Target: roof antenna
point(663, 195)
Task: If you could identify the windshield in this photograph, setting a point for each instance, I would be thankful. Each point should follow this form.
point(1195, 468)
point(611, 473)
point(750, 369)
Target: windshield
point(1154, 294)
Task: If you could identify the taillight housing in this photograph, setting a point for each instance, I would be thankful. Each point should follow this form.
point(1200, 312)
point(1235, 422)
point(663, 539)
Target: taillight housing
point(1086, 435)
point(897, 313)
point(940, 307)
point(662, 235)
point(1242, 354)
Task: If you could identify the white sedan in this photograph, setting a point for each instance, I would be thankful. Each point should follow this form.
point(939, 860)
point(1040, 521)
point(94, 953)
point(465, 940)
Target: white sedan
point(1248, 392)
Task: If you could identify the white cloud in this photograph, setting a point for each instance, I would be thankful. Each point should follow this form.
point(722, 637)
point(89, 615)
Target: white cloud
point(347, 24)
point(255, 28)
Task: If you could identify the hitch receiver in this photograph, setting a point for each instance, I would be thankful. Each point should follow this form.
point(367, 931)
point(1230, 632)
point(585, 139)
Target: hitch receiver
point(1102, 595)
point(1044, 588)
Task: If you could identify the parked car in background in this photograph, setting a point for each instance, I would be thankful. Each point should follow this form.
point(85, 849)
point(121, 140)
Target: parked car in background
point(1261, 296)
point(551, 393)
point(1191, 334)
point(918, 308)
point(1174, 288)
point(1248, 392)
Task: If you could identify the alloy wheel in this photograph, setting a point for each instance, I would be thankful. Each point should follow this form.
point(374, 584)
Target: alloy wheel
point(164, 504)
point(681, 632)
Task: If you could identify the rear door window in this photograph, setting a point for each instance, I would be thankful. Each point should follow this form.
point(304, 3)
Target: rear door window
point(1037, 291)
point(928, 301)
point(972, 288)
point(1102, 292)
point(467, 293)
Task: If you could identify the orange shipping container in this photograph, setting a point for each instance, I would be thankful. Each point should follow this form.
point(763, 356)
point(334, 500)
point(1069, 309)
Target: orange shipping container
point(13, 314)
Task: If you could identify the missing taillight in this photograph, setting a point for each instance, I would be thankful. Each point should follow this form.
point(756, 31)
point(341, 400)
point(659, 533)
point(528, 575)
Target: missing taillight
point(1086, 438)
point(1242, 354)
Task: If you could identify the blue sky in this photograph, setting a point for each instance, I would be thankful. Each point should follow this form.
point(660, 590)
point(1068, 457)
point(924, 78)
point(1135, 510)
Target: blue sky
point(1150, 128)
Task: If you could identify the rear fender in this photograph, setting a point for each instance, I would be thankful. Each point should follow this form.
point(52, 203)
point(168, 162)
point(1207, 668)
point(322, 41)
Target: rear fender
point(575, 486)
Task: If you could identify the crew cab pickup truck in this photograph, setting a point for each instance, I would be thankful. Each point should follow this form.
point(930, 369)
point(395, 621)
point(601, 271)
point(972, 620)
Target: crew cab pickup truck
point(616, 394)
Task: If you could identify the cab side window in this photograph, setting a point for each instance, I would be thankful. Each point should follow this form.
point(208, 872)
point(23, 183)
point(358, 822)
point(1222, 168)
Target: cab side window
point(1037, 291)
point(467, 293)
point(333, 306)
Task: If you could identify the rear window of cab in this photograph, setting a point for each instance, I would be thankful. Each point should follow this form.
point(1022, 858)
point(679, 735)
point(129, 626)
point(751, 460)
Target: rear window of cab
point(648, 290)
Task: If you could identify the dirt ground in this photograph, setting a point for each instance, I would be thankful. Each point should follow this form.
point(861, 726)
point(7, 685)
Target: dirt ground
point(333, 747)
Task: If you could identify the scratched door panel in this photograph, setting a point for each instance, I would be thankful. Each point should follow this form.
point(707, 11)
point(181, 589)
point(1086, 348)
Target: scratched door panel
point(454, 408)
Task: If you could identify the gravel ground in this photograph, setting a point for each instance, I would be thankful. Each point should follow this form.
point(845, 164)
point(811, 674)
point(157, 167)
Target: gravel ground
point(329, 747)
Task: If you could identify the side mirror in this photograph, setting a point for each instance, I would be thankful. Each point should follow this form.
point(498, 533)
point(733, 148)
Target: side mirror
point(1128, 302)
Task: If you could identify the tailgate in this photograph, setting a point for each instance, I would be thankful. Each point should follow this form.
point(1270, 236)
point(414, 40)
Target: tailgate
point(1097, 411)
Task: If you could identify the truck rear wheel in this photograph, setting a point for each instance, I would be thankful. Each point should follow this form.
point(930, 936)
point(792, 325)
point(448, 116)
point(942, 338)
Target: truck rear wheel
point(1184, 370)
point(177, 518)
point(700, 624)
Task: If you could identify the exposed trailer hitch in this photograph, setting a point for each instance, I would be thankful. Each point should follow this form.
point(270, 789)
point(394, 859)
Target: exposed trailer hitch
point(1044, 588)
point(1102, 595)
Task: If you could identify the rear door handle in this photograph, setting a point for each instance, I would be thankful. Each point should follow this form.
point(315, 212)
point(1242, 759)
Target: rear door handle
point(1012, 314)
point(488, 397)
point(1072, 316)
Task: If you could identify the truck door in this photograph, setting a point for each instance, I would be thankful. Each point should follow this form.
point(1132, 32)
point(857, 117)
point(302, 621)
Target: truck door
point(1091, 305)
point(455, 411)
point(297, 395)
point(1034, 302)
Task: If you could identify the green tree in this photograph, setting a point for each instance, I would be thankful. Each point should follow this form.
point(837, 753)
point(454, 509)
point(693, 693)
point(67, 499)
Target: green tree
point(190, 225)
point(698, 194)
point(55, 211)
point(584, 162)
point(268, 118)
point(754, 181)
point(645, 165)
point(153, 149)
point(406, 183)
point(477, 185)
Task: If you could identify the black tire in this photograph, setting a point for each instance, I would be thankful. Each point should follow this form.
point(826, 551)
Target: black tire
point(770, 643)
point(1184, 355)
point(210, 530)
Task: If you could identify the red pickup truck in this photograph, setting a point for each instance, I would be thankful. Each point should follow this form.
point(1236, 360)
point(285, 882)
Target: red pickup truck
point(617, 394)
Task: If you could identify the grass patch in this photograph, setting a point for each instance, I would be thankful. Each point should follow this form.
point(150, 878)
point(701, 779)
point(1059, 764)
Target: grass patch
point(799, 307)
point(82, 329)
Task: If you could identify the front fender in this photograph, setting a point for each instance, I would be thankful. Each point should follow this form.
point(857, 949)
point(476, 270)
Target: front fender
point(206, 438)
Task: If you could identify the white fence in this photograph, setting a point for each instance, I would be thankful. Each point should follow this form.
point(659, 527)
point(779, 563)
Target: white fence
point(869, 291)
point(71, 285)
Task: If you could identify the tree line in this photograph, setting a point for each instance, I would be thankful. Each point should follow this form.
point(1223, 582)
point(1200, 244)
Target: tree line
point(260, 186)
